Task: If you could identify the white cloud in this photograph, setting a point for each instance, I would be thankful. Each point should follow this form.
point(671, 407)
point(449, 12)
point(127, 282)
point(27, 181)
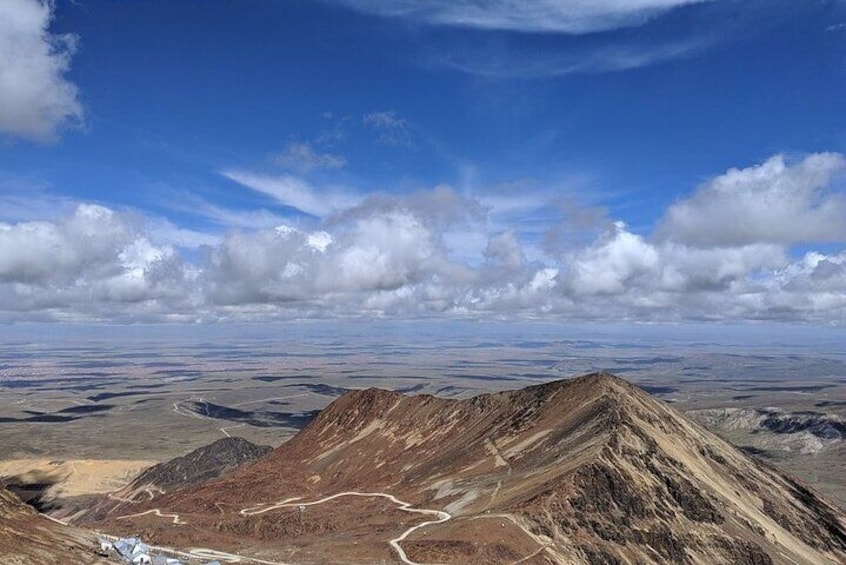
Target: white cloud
point(551, 16)
point(771, 202)
point(36, 101)
point(294, 192)
point(303, 158)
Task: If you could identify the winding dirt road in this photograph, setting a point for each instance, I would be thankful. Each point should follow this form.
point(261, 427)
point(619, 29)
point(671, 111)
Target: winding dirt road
point(205, 553)
point(395, 543)
point(157, 512)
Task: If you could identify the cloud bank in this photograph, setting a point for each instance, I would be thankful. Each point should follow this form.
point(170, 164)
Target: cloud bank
point(726, 252)
point(36, 100)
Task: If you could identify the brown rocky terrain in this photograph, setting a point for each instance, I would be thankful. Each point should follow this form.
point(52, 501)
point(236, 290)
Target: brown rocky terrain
point(27, 538)
point(588, 470)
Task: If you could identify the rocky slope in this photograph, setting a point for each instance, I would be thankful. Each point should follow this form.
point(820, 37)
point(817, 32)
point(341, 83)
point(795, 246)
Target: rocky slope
point(27, 538)
point(590, 470)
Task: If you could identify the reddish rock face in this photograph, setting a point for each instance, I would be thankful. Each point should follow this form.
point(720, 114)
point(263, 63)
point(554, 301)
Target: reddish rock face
point(589, 470)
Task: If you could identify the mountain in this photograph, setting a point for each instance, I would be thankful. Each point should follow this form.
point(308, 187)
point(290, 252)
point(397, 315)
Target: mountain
point(588, 470)
point(28, 538)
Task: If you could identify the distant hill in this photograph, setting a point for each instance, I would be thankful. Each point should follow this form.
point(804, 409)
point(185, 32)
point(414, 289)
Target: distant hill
point(203, 464)
point(588, 470)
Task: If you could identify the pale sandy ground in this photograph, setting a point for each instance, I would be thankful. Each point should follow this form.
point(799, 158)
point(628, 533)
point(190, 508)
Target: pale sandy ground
point(75, 477)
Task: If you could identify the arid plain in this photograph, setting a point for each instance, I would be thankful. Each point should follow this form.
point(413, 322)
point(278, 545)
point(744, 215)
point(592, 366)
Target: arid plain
point(87, 416)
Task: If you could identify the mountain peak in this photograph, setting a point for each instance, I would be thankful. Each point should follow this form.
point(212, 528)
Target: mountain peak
point(596, 384)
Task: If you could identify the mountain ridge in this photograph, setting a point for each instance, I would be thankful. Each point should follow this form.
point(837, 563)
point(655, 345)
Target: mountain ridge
point(588, 470)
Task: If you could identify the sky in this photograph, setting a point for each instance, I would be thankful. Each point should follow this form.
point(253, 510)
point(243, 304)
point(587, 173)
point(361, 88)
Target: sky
point(566, 161)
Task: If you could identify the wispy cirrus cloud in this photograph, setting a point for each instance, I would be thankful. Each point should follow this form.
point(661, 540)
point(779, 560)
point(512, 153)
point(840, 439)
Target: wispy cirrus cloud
point(522, 64)
point(221, 216)
point(294, 192)
point(22, 200)
point(390, 128)
point(302, 157)
point(548, 16)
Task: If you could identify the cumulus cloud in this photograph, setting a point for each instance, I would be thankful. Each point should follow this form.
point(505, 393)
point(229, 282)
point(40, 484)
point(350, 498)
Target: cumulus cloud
point(386, 251)
point(621, 262)
point(773, 202)
point(379, 248)
point(265, 266)
point(303, 158)
point(612, 264)
point(550, 16)
point(87, 241)
point(36, 100)
point(89, 262)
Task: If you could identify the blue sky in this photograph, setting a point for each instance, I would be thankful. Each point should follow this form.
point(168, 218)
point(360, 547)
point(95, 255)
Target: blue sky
point(643, 160)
